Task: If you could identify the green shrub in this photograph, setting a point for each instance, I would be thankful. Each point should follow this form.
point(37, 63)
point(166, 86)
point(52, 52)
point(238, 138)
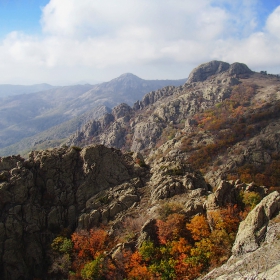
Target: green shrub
point(93, 270)
point(62, 245)
point(250, 199)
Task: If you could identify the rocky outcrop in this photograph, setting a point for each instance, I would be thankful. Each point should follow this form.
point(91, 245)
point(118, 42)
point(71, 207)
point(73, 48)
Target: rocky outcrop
point(153, 97)
point(230, 192)
point(257, 245)
point(57, 189)
point(239, 68)
point(206, 70)
point(121, 110)
point(172, 177)
point(148, 233)
point(203, 71)
point(140, 128)
point(107, 204)
point(252, 230)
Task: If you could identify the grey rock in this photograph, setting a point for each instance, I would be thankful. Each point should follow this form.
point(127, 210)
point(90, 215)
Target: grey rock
point(203, 71)
point(239, 68)
point(148, 233)
point(252, 230)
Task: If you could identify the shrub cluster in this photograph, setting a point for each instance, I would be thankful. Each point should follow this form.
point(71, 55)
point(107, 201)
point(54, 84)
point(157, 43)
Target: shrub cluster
point(183, 250)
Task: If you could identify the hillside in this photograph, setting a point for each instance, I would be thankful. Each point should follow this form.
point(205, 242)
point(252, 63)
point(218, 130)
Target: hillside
point(224, 121)
point(9, 90)
point(187, 188)
point(54, 136)
point(26, 115)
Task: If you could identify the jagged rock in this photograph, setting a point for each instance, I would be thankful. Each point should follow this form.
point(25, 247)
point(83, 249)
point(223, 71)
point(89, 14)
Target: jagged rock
point(153, 97)
point(121, 111)
point(148, 233)
point(193, 207)
point(49, 192)
point(252, 230)
point(225, 193)
point(228, 193)
point(8, 163)
point(239, 68)
point(262, 263)
point(66, 187)
point(171, 177)
point(129, 199)
point(168, 188)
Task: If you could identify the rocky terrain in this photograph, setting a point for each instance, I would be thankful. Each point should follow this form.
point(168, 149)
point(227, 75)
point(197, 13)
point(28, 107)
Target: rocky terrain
point(228, 110)
point(26, 115)
point(210, 145)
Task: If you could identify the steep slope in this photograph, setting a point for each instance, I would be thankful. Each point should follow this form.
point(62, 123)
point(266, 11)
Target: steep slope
point(255, 253)
point(69, 188)
point(54, 136)
point(26, 115)
point(45, 194)
point(227, 118)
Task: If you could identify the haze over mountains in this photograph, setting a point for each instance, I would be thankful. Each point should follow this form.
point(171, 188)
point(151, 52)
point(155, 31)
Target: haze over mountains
point(9, 90)
point(26, 115)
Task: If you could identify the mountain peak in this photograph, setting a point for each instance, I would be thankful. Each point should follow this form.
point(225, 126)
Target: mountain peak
point(128, 76)
point(214, 67)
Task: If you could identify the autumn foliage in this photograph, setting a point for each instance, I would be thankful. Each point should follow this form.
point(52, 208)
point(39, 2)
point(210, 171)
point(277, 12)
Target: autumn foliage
point(184, 250)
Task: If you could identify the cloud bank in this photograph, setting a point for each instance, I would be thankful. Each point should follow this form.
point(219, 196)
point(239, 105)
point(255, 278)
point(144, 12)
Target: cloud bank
point(99, 40)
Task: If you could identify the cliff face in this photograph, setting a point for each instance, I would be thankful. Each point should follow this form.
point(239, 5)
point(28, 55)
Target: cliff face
point(75, 189)
point(47, 193)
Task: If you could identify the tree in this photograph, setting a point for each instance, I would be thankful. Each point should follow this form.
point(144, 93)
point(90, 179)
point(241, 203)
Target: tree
point(172, 229)
point(198, 227)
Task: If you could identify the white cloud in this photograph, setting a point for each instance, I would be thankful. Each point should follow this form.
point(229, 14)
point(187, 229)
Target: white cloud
point(84, 40)
point(273, 23)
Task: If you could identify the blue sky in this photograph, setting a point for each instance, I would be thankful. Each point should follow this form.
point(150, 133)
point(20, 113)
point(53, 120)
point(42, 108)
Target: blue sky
point(21, 15)
point(67, 41)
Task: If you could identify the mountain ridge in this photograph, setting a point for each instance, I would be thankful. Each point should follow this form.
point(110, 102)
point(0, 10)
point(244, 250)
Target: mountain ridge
point(194, 186)
point(9, 90)
point(27, 115)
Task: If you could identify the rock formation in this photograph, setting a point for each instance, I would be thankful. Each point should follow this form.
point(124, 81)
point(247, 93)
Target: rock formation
point(56, 189)
point(176, 148)
point(256, 248)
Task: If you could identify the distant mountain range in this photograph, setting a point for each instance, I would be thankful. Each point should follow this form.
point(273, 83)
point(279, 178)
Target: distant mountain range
point(25, 115)
point(9, 90)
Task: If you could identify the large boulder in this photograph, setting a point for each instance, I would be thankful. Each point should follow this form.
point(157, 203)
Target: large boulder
point(252, 230)
point(203, 71)
point(239, 68)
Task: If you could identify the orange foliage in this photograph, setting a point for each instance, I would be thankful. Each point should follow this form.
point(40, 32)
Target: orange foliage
point(199, 227)
point(135, 267)
point(179, 251)
point(172, 229)
point(90, 244)
point(226, 218)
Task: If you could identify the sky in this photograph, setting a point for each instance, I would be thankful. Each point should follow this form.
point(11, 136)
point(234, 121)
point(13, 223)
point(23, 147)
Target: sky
point(64, 42)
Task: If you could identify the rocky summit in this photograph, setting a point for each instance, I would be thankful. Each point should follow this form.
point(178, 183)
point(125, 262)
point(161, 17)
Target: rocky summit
point(181, 185)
